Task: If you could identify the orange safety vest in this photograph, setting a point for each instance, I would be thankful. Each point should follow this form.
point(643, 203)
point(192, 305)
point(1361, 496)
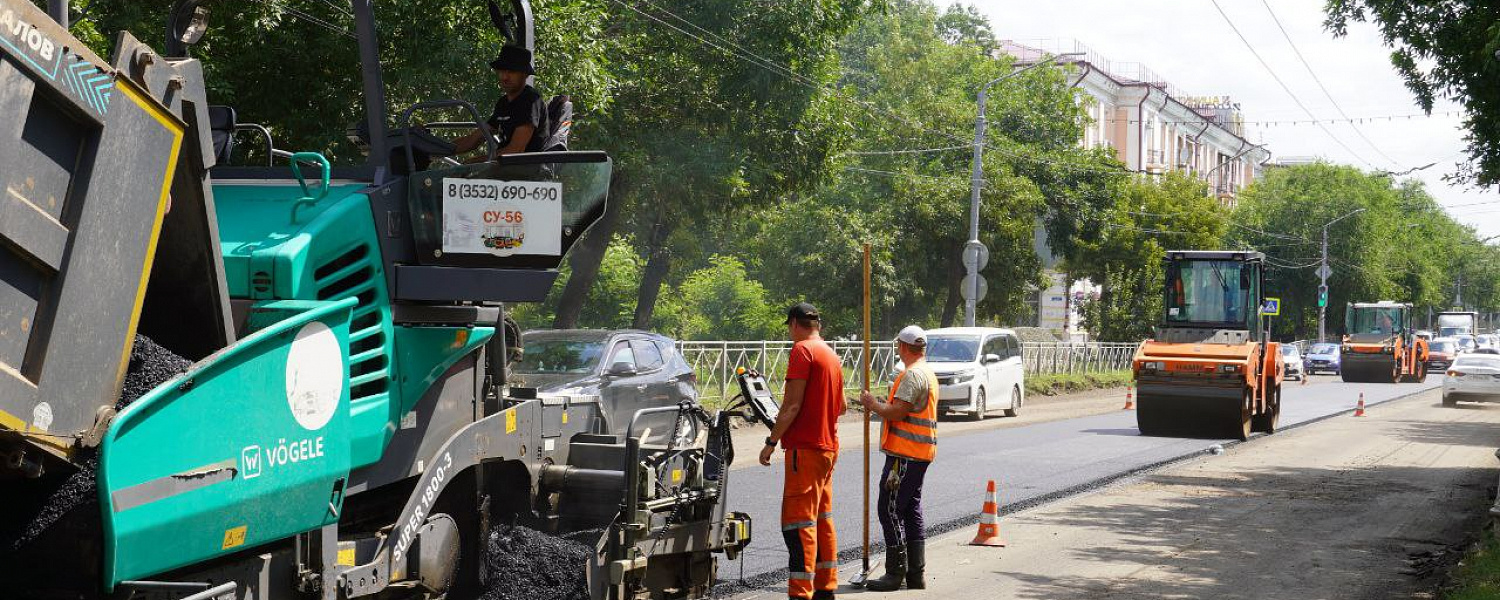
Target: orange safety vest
point(915, 435)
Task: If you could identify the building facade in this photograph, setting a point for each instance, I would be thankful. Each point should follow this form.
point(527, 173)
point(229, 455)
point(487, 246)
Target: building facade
point(1152, 126)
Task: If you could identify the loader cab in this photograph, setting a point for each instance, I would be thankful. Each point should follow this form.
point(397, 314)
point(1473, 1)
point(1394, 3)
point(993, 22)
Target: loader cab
point(1212, 291)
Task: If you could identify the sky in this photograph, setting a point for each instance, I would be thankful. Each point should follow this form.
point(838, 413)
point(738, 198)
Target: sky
point(1190, 44)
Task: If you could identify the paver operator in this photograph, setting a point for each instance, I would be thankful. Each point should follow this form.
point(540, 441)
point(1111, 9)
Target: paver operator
point(520, 117)
point(806, 429)
point(908, 438)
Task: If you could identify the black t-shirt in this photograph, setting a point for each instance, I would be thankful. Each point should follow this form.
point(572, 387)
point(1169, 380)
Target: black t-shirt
point(527, 109)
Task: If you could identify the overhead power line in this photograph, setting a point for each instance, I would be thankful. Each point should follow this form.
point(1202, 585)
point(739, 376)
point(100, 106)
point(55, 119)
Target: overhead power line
point(912, 151)
point(1326, 94)
point(1284, 87)
point(1300, 122)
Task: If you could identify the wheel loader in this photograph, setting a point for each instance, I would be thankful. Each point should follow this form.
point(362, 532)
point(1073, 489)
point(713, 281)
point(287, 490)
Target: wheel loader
point(1211, 369)
point(335, 421)
point(1380, 345)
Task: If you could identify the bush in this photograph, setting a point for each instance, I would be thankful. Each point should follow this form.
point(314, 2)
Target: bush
point(719, 302)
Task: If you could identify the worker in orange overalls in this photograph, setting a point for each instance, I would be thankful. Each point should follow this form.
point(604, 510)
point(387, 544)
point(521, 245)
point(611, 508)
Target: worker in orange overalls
point(806, 430)
point(908, 437)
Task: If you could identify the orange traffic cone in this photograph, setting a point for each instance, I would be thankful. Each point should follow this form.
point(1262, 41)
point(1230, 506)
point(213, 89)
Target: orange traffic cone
point(1129, 398)
point(1359, 409)
point(989, 522)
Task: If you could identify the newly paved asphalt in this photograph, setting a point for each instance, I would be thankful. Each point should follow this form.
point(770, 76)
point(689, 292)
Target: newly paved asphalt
point(1030, 464)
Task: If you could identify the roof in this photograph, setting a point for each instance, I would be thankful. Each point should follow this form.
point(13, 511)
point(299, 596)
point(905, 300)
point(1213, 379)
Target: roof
point(1381, 304)
point(970, 330)
point(1215, 255)
point(584, 334)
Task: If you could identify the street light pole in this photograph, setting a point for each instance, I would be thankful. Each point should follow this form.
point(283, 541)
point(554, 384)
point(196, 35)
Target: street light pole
point(971, 282)
point(1323, 272)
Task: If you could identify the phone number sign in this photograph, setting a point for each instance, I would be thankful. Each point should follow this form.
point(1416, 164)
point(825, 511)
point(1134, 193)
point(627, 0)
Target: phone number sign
point(502, 218)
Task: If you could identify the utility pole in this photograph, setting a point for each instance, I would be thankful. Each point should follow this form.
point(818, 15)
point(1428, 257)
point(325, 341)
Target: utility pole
point(1324, 271)
point(1458, 296)
point(975, 254)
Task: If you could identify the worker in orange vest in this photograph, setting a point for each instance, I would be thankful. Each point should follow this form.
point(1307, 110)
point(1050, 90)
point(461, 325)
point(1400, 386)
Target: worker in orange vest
point(806, 428)
point(908, 438)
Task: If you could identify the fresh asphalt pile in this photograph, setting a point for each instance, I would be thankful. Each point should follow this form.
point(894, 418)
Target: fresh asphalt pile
point(526, 564)
point(150, 366)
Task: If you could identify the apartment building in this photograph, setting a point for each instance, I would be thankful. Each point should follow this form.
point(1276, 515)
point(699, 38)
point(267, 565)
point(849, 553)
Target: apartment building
point(1153, 126)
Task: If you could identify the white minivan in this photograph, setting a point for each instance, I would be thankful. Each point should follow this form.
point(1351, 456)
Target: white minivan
point(978, 369)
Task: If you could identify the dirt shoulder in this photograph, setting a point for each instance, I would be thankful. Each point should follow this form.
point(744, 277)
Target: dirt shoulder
point(1345, 508)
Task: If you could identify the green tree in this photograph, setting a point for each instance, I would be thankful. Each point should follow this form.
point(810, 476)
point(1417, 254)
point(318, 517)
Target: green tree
point(720, 302)
point(1174, 212)
point(731, 107)
point(917, 71)
point(1401, 246)
point(1443, 50)
point(611, 301)
point(294, 66)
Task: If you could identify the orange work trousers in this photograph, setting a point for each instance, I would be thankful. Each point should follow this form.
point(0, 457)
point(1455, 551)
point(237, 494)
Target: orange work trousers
point(807, 522)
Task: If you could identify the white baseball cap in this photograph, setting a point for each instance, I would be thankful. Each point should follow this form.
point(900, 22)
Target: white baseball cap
point(913, 335)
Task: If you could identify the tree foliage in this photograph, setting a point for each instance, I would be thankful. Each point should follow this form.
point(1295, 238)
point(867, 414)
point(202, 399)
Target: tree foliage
point(1447, 50)
point(759, 146)
point(720, 301)
point(1148, 218)
point(1401, 246)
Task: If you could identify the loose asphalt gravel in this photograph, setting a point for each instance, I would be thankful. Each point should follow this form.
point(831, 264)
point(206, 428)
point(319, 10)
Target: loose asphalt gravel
point(1031, 465)
point(525, 564)
point(150, 365)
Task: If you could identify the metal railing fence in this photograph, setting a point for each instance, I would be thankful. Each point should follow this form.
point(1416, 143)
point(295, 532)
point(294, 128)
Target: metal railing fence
point(1061, 357)
point(715, 362)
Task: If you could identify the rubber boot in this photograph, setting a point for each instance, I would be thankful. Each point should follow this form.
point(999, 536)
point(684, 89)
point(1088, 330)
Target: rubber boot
point(916, 562)
point(895, 571)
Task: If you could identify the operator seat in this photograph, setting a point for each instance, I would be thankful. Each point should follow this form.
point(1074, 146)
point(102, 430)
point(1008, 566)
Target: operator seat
point(221, 122)
point(560, 123)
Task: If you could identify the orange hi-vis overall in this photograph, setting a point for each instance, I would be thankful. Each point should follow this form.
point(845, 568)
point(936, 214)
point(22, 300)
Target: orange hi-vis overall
point(915, 435)
point(807, 522)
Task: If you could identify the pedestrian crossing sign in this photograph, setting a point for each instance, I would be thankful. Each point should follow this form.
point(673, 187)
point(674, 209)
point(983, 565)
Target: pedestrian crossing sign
point(1270, 307)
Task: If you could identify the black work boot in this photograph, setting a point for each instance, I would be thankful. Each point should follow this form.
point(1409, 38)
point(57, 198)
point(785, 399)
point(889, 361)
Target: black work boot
point(916, 562)
point(823, 595)
point(895, 571)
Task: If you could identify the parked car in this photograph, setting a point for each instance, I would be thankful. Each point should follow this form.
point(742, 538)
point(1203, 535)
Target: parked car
point(1291, 359)
point(979, 369)
point(1440, 353)
point(1473, 377)
point(1322, 358)
point(629, 370)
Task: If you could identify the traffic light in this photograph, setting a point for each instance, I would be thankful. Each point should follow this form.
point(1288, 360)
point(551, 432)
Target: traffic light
point(1322, 296)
